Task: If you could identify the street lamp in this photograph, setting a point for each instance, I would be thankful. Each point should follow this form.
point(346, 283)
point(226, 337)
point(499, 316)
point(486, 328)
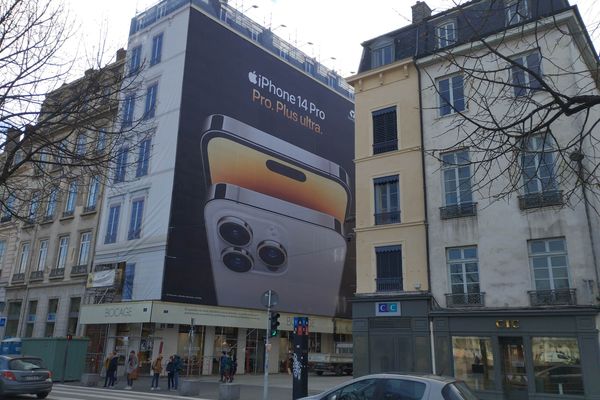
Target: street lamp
point(249, 8)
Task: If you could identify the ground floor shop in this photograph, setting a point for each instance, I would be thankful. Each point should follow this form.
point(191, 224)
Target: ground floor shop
point(199, 335)
point(502, 354)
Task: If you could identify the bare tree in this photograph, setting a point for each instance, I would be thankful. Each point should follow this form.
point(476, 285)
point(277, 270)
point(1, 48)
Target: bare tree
point(530, 116)
point(57, 136)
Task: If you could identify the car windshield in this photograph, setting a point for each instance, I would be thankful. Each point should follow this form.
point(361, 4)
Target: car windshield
point(458, 391)
point(26, 364)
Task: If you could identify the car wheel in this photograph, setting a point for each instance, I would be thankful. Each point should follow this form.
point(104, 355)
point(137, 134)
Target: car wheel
point(339, 371)
point(42, 395)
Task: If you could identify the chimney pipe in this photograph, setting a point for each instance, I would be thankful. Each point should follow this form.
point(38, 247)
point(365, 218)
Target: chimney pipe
point(420, 11)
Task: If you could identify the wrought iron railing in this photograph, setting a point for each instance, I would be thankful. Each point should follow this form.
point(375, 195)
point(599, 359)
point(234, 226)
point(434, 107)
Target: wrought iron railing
point(387, 218)
point(553, 297)
point(541, 199)
point(465, 299)
point(36, 275)
point(389, 284)
point(79, 270)
point(384, 147)
point(458, 210)
point(19, 277)
point(57, 273)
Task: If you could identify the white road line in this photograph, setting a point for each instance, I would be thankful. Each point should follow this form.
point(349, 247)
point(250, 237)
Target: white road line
point(110, 393)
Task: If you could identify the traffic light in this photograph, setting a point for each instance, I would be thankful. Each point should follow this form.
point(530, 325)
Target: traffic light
point(274, 324)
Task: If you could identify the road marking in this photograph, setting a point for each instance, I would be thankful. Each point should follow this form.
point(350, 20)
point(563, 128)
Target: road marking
point(112, 393)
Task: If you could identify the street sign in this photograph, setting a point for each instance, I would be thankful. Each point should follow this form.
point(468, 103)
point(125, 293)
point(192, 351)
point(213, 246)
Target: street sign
point(269, 299)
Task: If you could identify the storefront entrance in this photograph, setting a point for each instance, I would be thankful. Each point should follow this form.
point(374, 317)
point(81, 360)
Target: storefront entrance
point(514, 374)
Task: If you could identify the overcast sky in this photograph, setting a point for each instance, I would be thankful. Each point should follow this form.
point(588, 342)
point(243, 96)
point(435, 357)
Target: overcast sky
point(335, 27)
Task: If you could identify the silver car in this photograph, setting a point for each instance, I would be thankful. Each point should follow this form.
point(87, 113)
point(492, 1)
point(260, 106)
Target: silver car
point(398, 387)
point(24, 375)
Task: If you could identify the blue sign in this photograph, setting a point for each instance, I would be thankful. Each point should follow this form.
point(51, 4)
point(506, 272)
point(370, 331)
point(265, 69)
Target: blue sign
point(2, 321)
point(387, 309)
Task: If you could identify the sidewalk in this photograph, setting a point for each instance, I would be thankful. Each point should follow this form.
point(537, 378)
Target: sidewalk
point(251, 386)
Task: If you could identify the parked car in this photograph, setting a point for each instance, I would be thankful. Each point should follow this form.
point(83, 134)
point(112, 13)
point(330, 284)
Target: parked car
point(24, 375)
point(398, 387)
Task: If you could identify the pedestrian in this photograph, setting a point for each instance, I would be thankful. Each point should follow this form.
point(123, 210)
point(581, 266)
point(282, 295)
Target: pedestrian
point(233, 369)
point(106, 375)
point(132, 370)
point(170, 374)
point(111, 371)
point(222, 365)
point(156, 370)
point(177, 368)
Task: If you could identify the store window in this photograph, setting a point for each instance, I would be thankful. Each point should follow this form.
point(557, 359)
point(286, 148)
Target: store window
point(474, 361)
point(557, 365)
point(190, 346)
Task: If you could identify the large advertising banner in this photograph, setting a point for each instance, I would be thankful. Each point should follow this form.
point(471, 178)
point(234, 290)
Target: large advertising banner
point(263, 182)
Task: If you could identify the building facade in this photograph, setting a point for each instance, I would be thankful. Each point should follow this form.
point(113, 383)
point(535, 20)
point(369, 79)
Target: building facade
point(514, 279)
point(165, 280)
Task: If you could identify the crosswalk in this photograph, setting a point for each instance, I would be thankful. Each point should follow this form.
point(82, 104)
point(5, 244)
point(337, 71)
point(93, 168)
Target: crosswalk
point(68, 392)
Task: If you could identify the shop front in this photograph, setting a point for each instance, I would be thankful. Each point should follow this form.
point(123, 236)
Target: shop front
point(521, 354)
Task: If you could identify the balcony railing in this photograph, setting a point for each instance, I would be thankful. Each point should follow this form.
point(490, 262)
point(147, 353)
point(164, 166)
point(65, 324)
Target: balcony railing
point(389, 284)
point(387, 218)
point(465, 299)
point(542, 199)
point(553, 297)
point(89, 209)
point(36, 276)
point(47, 219)
point(57, 273)
point(18, 277)
point(384, 147)
point(79, 270)
point(458, 210)
point(68, 214)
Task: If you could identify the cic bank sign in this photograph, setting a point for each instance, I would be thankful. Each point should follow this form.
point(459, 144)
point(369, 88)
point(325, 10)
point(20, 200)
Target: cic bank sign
point(116, 313)
point(387, 309)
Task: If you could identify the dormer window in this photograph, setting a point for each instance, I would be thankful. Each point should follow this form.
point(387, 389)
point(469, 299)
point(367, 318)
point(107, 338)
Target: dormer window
point(382, 54)
point(445, 34)
point(516, 11)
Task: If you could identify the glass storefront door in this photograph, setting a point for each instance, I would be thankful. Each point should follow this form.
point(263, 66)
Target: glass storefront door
point(514, 374)
point(255, 351)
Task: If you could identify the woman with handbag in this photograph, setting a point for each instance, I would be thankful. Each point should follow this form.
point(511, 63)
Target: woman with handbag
point(132, 370)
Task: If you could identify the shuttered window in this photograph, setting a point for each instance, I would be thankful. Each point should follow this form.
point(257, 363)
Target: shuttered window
point(385, 130)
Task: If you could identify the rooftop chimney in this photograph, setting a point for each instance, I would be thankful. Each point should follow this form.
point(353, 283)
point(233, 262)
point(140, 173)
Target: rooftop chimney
point(13, 137)
point(420, 11)
point(121, 54)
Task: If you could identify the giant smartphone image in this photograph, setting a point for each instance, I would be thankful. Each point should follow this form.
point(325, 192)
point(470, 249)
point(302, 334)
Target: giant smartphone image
point(259, 242)
point(237, 153)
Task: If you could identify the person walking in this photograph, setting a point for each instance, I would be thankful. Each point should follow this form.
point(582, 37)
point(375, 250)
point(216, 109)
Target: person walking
point(233, 369)
point(111, 370)
point(156, 370)
point(170, 374)
point(106, 375)
point(177, 368)
point(132, 370)
point(222, 365)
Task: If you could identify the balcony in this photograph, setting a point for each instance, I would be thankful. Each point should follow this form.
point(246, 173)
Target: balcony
point(566, 297)
point(68, 214)
point(384, 147)
point(57, 273)
point(89, 209)
point(458, 210)
point(389, 284)
point(36, 276)
point(47, 219)
point(387, 218)
point(465, 300)
point(18, 278)
point(541, 199)
point(78, 270)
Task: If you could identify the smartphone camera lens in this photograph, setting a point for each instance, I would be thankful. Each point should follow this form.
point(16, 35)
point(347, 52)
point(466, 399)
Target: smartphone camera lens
point(237, 260)
point(234, 231)
point(272, 254)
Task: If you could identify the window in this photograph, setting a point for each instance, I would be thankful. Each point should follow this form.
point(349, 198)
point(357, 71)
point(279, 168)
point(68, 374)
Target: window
point(113, 224)
point(451, 95)
point(445, 34)
point(387, 200)
point(128, 282)
point(516, 11)
point(121, 165)
point(382, 55)
point(63, 251)
point(92, 197)
point(42, 255)
point(557, 365)
point(34, 205)
point(463, 268)
point(143, 158)
point(71, 199)
point(404, 389)
point(385, 130)
point(12, 319)
point(389, 268)
point(548, 259)
point(523, 81)
point(309, 67)
point(128, 109)
point(363, 389)
point(156, 49)
point(135, 223)
point(456, 171)
point(84, 248)
point(31, 315)
point(150, 108)
point(7, 208)
point(474, 361)
point(101, 140)
point(23, 258)
point(74, 307)
point(80, 145)
point(2, 252)
point(51, 317)
point(135, 60)
point(51, 205)
point(538, 165)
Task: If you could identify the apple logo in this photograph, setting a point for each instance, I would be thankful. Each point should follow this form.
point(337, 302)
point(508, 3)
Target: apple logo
point(252, 77)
